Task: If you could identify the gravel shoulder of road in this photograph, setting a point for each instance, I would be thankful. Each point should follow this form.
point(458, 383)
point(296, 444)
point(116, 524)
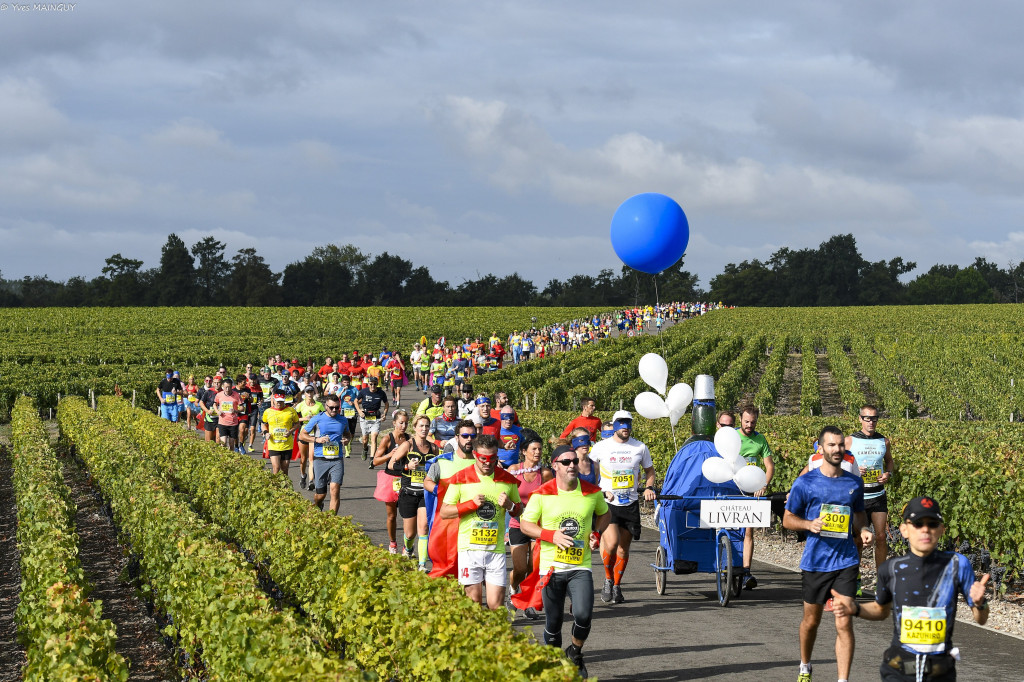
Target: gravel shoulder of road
point(782, 550)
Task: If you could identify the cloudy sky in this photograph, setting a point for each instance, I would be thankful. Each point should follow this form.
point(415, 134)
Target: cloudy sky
point(478, 137)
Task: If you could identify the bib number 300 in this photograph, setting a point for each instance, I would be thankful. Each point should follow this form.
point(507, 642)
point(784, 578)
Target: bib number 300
point(835, 521)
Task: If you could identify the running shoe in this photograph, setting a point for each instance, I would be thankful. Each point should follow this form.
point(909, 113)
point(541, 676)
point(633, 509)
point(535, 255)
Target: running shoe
point(302, 482)
point(364, 456)
point(575, 656)
point(393, 548)
point(749, 582)
point(310, 485)
point(617, 597)
point(531, 613)
point(606, 591)
point(423, 568)
point(804, 677)
point(371, 467)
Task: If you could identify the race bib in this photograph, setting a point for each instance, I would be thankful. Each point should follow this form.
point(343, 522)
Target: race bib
point(370, 419)
point(397, 484)
point(278, 435)
point(570, 556)
point(227, 408)
point(416, 476)
point(871, 476)
point(623, 480)
point(168, 398)
point(349, 412)
point(835, 521)
point(923, 628)
point(484, 535)
point(330, 451)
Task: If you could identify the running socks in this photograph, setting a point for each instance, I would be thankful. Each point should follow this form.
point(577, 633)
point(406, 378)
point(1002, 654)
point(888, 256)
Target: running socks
point(422, 546)
point(409, 545)
point(620, 568)
point(608, 564)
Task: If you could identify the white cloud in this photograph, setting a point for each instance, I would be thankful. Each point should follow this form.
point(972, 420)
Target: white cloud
point(28, 118)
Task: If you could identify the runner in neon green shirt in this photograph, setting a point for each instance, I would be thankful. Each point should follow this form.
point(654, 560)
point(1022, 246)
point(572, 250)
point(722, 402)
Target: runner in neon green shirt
point(561, 513)
point(478, 496)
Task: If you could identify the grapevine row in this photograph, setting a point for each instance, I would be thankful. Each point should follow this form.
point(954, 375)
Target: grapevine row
point(210, 593)
point(810, 388)
point(771, 381)
point(65, 634)
point(844, 375)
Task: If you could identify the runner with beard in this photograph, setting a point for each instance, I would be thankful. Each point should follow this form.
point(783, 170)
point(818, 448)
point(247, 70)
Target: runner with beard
point(478, 497)
point(565, 514)
point(444, 533)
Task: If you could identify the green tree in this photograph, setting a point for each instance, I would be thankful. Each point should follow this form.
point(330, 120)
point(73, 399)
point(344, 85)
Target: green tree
point(176, 276)
point(211, 271)
point(251, 282)
point(124, 282)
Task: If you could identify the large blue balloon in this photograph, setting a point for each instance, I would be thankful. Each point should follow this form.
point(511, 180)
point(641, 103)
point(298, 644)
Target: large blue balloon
point(650, 232)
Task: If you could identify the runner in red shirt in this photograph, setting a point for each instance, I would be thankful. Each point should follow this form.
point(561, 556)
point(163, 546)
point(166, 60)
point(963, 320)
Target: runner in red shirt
point(327, 368)
point(586, 420)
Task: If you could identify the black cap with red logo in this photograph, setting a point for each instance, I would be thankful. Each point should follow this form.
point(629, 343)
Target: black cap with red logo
point(921, 508)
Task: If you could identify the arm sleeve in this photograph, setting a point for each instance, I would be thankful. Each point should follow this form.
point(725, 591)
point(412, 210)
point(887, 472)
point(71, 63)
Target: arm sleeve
point(795, 503)
point(883, 590)
point(966, 577)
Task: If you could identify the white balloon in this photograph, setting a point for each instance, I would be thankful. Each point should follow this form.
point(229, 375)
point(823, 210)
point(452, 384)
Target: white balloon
point(750, 479)
point(679, 398)
point(674, 416)
point(650, 405)
point(654, 371)
point(727, 443)
point(716, 470)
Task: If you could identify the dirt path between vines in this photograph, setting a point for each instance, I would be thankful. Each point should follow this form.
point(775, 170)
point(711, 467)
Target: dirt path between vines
point(831, 403)
point(12, 655)
point(788, 402)
point(103, 560)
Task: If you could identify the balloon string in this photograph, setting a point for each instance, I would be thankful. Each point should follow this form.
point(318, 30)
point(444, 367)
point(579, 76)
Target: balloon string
point(657, 313)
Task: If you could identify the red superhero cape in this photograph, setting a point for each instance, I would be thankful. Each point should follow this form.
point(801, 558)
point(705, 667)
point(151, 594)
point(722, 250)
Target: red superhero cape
point(443, 544)
point(531, 590)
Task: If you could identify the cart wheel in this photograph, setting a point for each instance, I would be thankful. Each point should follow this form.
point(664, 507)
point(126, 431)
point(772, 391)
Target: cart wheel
point(724, 574)
point(737, 585)
point(660, 577)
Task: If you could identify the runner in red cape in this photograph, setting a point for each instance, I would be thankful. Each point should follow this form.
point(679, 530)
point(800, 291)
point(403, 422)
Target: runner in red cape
point(478, 497)
point(565, 515)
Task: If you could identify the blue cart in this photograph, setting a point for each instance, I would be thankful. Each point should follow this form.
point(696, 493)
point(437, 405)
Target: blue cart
point(684, 546)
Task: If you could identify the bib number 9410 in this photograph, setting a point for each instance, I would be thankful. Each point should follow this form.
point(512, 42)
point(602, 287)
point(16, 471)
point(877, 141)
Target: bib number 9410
point(923, 628)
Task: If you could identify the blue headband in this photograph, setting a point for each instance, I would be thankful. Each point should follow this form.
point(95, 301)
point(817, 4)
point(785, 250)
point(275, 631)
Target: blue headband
point(580, 441)
point(481, 400)
point(607, 433)
point(622, 424)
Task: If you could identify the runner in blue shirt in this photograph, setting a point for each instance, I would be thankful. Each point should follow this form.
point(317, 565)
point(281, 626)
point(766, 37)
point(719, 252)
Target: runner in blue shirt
point(508, 437)
point(330, 433)
point(827, 503)
point(921, 589)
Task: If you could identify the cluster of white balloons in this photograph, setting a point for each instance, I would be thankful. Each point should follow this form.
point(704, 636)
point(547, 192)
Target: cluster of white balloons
point(730, 466)
point(654, 372)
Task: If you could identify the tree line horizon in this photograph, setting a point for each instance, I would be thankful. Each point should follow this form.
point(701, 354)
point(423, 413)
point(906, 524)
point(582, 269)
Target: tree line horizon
point(833, 274)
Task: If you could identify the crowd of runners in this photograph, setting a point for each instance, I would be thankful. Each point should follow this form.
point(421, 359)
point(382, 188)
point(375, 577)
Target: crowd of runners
point(467, 481)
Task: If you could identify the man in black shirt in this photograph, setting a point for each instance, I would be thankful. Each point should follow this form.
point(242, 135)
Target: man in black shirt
point(372, 405)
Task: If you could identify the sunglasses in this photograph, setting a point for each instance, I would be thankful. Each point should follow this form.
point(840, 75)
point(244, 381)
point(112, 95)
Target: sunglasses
point(467, 435)
point(568, 462)
point(931, 523)
point(722, 426)
point(330, 407)
point(869, 419)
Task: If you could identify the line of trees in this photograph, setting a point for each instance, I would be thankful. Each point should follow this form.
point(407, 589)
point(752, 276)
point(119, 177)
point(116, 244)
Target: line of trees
point(834, 274)
point(331, 275)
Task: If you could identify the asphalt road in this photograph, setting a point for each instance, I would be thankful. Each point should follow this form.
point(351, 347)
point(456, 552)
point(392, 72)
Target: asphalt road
point(685, 635)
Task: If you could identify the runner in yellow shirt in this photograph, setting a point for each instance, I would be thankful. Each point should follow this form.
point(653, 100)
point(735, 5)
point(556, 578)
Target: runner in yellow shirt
point(279, 426)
